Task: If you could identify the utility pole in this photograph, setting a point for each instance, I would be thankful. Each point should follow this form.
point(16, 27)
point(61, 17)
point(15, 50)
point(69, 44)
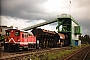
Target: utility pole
point(69, 5)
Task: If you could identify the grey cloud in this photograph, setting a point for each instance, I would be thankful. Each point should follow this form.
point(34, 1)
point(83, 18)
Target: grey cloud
point(27, 9)
point(34, 10)
point(82, 14)
point(82, 7)
point(83, 3)
point(84, 22)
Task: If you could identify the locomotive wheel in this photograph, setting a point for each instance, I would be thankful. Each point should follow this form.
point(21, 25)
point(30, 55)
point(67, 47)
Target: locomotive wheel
point(37, 46)
point(5, 47)
point(10, 47)
point(16, 49)
point(25, 49)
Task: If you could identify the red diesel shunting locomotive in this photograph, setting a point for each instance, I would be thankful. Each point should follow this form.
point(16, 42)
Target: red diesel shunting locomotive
point(16, 40)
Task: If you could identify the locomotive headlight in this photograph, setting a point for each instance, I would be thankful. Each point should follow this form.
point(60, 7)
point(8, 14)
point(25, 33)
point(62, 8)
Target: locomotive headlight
point(5, 39)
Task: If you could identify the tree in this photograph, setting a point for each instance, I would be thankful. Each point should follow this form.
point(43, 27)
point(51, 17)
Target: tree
point(85, 39)
point(2, 37)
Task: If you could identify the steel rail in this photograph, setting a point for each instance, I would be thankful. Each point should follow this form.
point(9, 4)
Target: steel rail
point(85, 55)
point(77, 52)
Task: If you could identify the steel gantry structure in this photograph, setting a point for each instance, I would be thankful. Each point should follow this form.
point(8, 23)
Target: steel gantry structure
point(69, 25)
point(40, 24)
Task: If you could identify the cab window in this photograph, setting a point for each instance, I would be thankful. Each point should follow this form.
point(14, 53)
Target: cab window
point(17, 33)
point(22, 35)
point(7, 33)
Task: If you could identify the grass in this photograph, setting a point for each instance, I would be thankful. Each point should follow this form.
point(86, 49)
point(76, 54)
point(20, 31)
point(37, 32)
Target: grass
point(54, 55)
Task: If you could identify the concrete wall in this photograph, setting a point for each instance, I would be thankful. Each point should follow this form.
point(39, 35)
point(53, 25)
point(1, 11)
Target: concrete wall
point(3, 28)
point(74, 37)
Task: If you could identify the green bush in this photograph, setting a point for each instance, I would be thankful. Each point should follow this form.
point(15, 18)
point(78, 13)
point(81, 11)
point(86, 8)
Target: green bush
point(2, 37)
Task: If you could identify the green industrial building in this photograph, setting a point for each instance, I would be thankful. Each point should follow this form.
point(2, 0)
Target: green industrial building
point(69, 26)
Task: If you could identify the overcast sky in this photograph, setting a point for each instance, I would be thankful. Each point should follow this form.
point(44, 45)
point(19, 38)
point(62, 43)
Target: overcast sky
point(24, 13)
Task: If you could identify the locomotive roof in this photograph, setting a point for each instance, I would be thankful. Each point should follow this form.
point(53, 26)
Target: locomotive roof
point(16, 30)
point(12, 29)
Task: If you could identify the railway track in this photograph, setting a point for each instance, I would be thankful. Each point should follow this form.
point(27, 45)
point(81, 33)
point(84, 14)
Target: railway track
point(26, 54)
point(82, 54)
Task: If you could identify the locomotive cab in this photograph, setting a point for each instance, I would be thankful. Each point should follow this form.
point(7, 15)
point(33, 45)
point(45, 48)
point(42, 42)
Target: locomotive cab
point(12, 36)
point(12, 39)
point(18, 40)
